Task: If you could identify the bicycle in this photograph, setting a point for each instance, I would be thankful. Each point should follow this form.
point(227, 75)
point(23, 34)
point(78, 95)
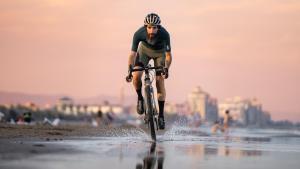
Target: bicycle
point(151, 110)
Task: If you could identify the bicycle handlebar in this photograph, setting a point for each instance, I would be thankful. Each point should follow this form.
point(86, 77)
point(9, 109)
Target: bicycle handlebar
point(129, 77)
point(146, 68)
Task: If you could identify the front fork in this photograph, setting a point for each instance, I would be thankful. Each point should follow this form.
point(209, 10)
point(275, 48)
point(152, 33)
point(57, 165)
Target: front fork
point(153, 102)
point(154, 107)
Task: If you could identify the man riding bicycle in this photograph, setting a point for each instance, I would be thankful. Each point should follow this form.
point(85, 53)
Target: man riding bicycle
point(151, 41)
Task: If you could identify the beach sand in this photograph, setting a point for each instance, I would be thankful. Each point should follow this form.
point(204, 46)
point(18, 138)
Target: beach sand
point(84, 146)
point(21, 141)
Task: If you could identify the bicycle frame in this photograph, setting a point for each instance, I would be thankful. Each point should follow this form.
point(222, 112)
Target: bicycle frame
point(151, 110)
point(148, 83)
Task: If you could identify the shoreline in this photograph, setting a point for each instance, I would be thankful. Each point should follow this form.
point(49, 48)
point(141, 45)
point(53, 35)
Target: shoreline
point(47, 132)
point(23, 141)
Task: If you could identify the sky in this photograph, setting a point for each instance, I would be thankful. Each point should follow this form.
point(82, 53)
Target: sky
point(246, 48)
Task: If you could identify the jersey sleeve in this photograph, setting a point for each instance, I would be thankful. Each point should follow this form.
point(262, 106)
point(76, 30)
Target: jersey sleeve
point(168, 44)
point(135, 42)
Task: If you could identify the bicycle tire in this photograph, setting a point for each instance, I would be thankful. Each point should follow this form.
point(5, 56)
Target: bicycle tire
point(150, 112)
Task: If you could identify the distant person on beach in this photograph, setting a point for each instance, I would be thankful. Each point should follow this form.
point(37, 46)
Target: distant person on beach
point(226, 121)
point(55, 122)
point(20, 119)
point(216, 127)
point(12, 116)
point(151, 41)
point(27, 117)
point(1, 116)
point(110, 117)
point(99, 118)
point(99, 114)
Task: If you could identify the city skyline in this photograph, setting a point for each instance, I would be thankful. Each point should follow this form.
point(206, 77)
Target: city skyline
point(44, 101)
point(80, 48)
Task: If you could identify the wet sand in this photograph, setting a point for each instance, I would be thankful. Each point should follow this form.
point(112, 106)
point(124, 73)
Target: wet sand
point(20, 141)
point(47, 132)
point(131, 147)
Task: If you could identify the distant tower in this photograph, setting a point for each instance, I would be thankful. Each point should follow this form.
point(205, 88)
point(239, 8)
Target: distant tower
point(202, 103)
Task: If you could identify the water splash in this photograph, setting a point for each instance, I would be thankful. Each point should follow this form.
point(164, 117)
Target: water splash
point(135, 133)
point(180, 131)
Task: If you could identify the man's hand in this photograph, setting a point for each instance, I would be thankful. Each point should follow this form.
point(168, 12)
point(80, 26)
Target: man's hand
point(165, 72)
point(129, 77)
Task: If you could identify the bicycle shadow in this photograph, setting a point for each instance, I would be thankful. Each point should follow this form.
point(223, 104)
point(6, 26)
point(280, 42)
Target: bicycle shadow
point(149, 161)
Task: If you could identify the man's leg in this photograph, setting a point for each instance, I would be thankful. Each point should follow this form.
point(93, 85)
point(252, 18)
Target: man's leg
point(161, 96)
point(141, 60)
point(137, 83)
point(160, 86)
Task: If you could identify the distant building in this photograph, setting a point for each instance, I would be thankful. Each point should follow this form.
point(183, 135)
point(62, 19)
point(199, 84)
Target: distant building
point(117, 109)
point(66, 105)
point(170, 108)
point(200, 102)
point(178, 109)
point(65, 101)
point(247, 112)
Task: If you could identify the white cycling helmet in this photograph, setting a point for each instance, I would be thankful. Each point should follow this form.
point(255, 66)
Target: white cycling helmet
point(152, 19)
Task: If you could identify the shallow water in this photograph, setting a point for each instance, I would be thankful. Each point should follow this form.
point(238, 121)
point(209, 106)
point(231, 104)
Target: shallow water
point(179, 147)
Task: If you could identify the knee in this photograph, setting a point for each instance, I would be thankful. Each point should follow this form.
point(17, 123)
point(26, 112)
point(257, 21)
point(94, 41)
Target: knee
point(161, 96)
point(137, 75)
point(161, 92)
point(160, 82)
point(160, 86)
point(136, 78)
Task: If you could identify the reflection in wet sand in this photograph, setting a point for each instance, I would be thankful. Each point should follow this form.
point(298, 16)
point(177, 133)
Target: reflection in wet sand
point(201, 150)
point(237, 153)
point(150, 159)
point(256, 139)
point(247, 139)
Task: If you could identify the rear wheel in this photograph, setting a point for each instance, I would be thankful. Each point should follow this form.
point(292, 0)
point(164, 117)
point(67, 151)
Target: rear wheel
point(150, 112)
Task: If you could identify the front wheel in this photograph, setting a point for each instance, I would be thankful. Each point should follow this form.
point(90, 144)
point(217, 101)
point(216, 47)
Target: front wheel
point(150, 110)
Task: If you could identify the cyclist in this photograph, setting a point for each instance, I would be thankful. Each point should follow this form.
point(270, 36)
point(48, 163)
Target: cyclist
point(151, 41)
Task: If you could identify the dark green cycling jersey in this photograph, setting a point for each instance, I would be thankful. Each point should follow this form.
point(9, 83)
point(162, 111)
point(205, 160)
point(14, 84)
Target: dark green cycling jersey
point(159, 42)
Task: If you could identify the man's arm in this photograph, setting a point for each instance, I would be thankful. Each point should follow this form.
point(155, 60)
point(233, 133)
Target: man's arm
point(168, 62)
point(131, 59)
point(168, 59)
